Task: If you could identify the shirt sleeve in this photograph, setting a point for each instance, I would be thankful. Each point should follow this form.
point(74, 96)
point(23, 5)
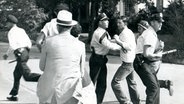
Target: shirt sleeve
point(45, 29)
point(149, 39)
point(113, 46)
point(43, 57)
point(83, 57)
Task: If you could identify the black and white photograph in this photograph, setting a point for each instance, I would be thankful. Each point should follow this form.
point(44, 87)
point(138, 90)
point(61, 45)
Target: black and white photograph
point(91, 51)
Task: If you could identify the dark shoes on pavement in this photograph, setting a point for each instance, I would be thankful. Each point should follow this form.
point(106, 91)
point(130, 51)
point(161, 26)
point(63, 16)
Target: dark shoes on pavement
point(12, 98)
point(170, 87)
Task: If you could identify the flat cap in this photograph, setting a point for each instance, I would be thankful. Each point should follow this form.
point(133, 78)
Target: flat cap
point(12, 18)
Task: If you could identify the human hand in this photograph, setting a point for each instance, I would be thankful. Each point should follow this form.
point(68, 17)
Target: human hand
point(116, 37)
point(161, 45)
point(5, 56)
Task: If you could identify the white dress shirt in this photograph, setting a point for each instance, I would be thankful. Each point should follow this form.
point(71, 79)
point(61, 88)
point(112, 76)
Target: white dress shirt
point(128, 39)
point(18, 38)
point(50, 28)
point(148, 37)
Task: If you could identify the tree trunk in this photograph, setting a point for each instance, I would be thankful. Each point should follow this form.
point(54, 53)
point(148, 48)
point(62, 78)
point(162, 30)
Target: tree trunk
point(92, 19)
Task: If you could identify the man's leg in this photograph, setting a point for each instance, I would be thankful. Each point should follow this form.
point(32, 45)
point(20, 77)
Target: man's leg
point(94, 69)
point(132, 86)
point(98, 74)
point(168, 84)
point(122, 72)
point(149, 79)
point(101, 84)
point(17, 76)
point(28, 76)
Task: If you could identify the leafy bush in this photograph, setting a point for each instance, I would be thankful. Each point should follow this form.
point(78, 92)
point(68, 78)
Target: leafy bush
point(29, 15)
point(174, 24)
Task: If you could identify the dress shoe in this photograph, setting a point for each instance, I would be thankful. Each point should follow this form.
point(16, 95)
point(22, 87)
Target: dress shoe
point(12, 98)
point(170, 87)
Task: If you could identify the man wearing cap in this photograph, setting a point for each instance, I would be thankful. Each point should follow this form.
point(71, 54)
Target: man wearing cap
point(142, 26)
point(62, 62)
point(100, 45)
point(50, 28)
point(20, 43)
point(151, 53)
point(126, 40)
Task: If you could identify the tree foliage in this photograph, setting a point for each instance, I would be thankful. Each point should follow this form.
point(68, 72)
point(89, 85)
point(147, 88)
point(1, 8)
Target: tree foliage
point(29, 15)
point(174, 24)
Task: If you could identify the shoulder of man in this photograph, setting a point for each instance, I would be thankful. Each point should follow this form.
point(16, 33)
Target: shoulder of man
point(105, 34)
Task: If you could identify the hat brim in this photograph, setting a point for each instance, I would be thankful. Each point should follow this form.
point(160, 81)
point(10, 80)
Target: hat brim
point(73, 22)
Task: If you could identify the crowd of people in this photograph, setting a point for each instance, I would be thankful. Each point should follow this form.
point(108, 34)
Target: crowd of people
point(65, 79)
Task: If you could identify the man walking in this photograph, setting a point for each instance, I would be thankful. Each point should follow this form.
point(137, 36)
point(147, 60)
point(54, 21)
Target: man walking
point(20, 43)
point(126, 40)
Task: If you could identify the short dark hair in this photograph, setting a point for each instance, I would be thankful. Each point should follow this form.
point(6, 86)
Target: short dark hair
point(62, 28)
point(76, 30)
point(156, 17)
point(61, 6)
point(123, 18)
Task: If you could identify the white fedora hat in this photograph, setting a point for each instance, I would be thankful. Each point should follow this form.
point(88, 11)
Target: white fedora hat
point(64, 18)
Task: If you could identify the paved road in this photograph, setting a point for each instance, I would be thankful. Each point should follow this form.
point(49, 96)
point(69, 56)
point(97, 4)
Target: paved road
point(27, 93)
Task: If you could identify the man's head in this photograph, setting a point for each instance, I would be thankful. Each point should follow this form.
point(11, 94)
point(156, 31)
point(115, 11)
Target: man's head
point(142, 25)
point(122, 22)
point(156, 20)
point(59, 7)
point(76, 30)
point(11, 20)
point(65, 21)
point(103, 20)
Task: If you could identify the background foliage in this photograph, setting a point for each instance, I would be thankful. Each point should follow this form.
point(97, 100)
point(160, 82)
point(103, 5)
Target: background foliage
point(30, 16)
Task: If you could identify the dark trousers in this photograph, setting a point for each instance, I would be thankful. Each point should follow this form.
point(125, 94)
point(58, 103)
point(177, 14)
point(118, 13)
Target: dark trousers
point(147, 73)
point(98, 74)
point(22, 69)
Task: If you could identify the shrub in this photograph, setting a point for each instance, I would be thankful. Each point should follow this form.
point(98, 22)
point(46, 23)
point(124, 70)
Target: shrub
point(29, 15)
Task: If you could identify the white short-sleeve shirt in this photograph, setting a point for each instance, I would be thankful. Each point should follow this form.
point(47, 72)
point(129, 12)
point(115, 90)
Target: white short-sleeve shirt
point(50, 28)
point(148, 37)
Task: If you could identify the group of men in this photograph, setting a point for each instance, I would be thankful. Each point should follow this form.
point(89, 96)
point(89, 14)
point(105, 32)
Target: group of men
point(143, 56)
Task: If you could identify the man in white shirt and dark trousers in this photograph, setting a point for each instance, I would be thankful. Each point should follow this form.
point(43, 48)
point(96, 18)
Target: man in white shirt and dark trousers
point(142, 26)
point(126, 40)
point(20, 43)
point(100, 45)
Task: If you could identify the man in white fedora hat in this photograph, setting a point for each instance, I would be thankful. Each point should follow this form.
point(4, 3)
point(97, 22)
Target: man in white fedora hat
point(50, 28)
point(62, 62)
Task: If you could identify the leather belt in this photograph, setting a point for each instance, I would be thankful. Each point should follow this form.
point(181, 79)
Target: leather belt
point(101, 56)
